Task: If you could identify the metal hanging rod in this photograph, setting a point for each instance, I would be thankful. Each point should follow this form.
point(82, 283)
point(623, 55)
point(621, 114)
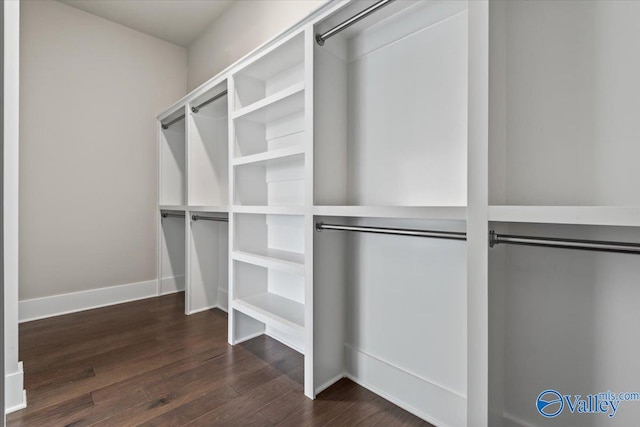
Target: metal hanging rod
point(208, 218)
point(176, 120)
point(195, 109)
point(451, 235)
point(208, 101)
point(551, 242)
point(320, 38)
point(165, 214)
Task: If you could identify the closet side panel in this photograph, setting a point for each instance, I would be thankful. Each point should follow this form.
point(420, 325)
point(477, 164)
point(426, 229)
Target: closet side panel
point(571, 324)
point(172, 255)
point(408, 117)
point(204, 264)
point(572, 97)
point(223, 266)
point(407, 331)
point(330, 129)
point(173, 165)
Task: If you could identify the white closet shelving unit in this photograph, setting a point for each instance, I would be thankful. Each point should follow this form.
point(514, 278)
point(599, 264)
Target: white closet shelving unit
point(564, 139)
point(172, 195)
point(208, 200)
point(390, 151)
point(457, 118)
point(194, 199)
point(271, 153)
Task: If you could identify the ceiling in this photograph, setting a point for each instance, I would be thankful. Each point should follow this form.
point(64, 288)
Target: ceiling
point(176, 21)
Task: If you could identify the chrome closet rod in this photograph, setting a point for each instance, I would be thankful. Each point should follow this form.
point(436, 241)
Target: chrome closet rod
point(176, 120)
point(208, 218)
point(552, 242)
point(208, 101)
point(320, 38)
point(452, 235)
point(164, 214)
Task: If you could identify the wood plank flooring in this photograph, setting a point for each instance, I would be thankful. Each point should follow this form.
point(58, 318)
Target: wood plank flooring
point(146, 363)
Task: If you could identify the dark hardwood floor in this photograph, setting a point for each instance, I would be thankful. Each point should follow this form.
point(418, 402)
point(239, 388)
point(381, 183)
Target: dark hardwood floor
point(146, 363)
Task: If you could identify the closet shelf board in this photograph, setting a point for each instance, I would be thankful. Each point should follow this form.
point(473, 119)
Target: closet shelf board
point(273, 310)
point(281, 104)
point(270, 210)
point(274, 259)
point(408, 212)
point(172, 207)
point(212, 209)
point(270, 156)
point(581, 215)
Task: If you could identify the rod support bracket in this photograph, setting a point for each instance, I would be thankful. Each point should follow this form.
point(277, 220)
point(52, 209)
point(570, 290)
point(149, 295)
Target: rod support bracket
point(194, 109)
point(319, 226)
point(492, 238)
point(319, 39)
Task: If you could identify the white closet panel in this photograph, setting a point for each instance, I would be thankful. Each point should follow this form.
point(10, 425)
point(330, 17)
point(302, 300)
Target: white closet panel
point(404, 82)
point(173, 164)
point(208, 258)
point(172, 254)
point(208, 151)
point(400, 303)
point(562, 143)
point(568, 318)
point(564, 101)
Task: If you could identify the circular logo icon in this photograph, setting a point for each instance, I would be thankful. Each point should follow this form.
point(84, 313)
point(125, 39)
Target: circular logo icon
point(549, 403)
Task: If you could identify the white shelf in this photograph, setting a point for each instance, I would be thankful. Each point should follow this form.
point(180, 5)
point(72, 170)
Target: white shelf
point(289, 262)
point(172, 207)
point(582, 215)
point(212, 209)
point(281, 104)
point(269, 156)
point(417, 212)
point(280, 313)
point(269, 210)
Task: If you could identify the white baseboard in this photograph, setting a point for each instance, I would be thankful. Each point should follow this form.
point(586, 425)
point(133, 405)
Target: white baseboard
point(223, 300)
point(432, 402)
point(56, 305)
point(329, 383)
point(14, 392)
point(247, 338)
point(200, 310)
point(171, 285)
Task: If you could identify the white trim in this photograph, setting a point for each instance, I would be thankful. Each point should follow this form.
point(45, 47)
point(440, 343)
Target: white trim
point(15, 394)
point(329, 383)
point(405, 389)
point(200, 310)
point(406, 371)
point(248, 337)
point(172, 285)
point(395, 401)
point(14, 391)
point(56, 305)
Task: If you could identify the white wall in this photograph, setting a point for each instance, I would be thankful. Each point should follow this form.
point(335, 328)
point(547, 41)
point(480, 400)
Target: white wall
point(241, 28)
point(90, 90)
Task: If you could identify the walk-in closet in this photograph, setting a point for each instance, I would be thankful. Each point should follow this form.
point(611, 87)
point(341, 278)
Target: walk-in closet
point(389, 160)
point(425, 209)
